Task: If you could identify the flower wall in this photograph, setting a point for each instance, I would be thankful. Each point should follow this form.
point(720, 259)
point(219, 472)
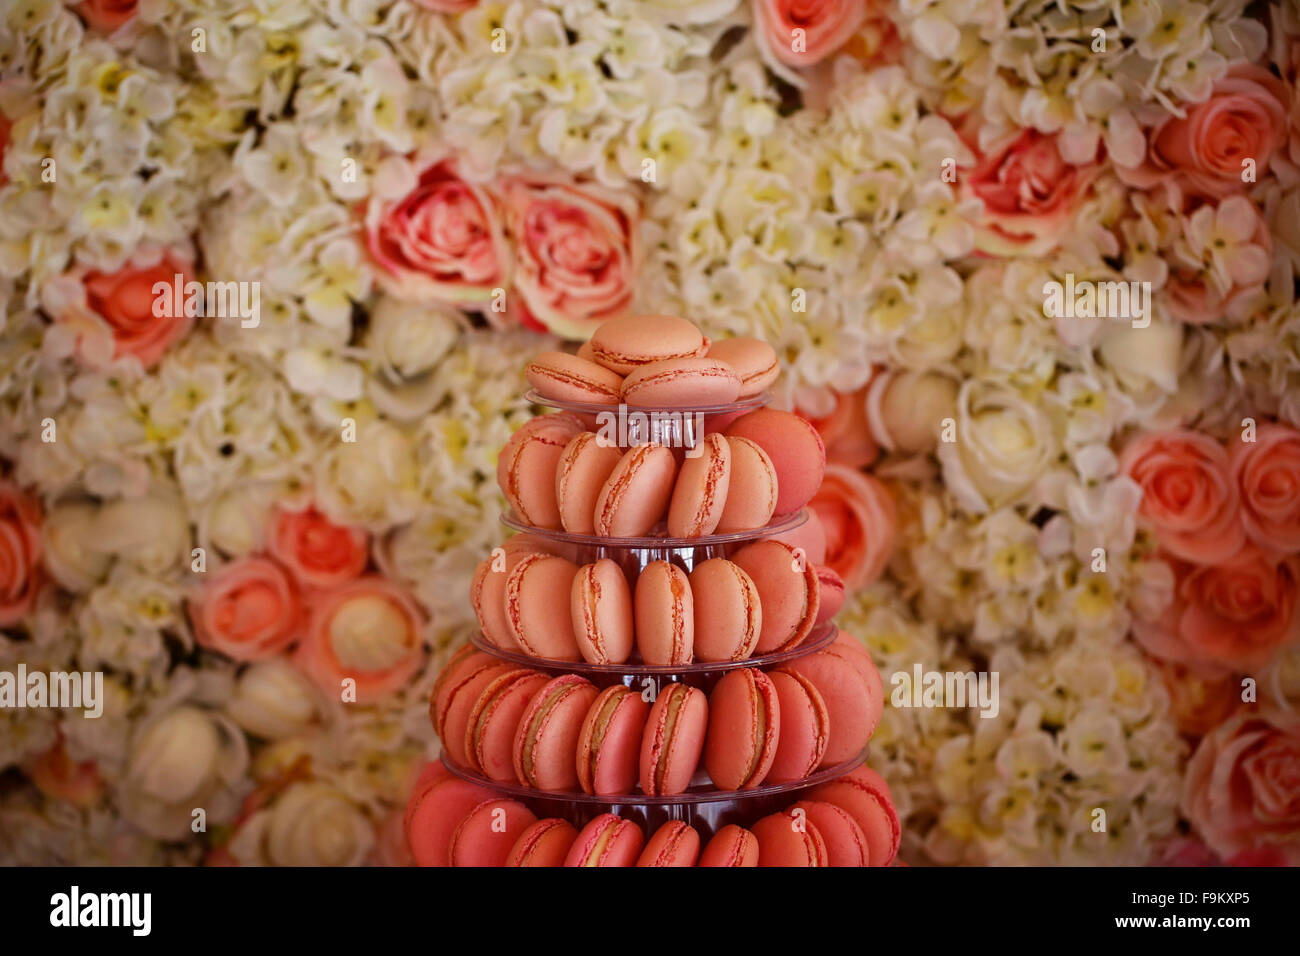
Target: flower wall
point(231, 502)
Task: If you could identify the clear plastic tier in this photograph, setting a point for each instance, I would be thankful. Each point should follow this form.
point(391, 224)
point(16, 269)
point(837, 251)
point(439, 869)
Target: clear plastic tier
point(675, 426)
point(661, 542)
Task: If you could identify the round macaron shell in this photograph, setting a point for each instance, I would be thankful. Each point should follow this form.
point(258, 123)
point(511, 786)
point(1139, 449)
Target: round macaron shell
point(490, 733)
point(460, 704)
point(849, 700)
point(606, 840)
point(625, 343)
point(673, 844)
point(864, 796)
point(571, 378)
point(846, 844)
point(545, 843)
point(486, 836)
point(600, 605)
point(663, 611)
point(731, 846)
point(530, 475)
point(609, 743)
point(795, 448)
point(546, 741)
point(744, 724)
point(831, 589)
point(681, 383)
point(538, 617)
point(754, 361)
point(636, 494)
point(728, 612)
point(581, 473)
point(487, 594)
point(860, 657)
point(752, 492)
point(565, 421)
point(805, 728)
point(463, 662)
point(788, 590)
point(673, 740)
point(433, 814)
point(789, 839)
point(700, 493)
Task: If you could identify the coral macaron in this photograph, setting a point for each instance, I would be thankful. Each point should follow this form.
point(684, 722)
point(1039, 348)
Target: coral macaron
point(744, 725)
point(600, 604)
point(570, 378)
point(625, 343)
point(493, 720)
point(790, 839)
point(527, 473)
point(754, 361)
point(731, 846)
point(700, 493)
point(545, 843)
point(636, 494)
point(606, 840)
point(795, 448)
point(457, 700)
point(584, 466)
point(609, 742)
point(664, 615)
point(788, 589)
point(852, 700)
point(866, 797)
point(752, 491)
point(830, 587)
point(805, 727)
point(673, 740)
point(537, 617)
point(846, 844)
point(488, 833)
point(681, 383)
point(728, 612)
point(546, 740)
point(437, 804)
point(673, 844)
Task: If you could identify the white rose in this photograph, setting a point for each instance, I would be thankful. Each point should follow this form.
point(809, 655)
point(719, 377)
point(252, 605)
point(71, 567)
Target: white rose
point(71, 553)
point(311, 824)
point(372, 481)
point(1140, 358)
point(151, 531)
point(407, 340)
point(905, 409)
point(234, 521)
point(273, 699)
point(1003, 443)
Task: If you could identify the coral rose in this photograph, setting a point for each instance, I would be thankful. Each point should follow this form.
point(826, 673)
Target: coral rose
point(248, 610)
point(1267, 475)
point(860, 522)
point(804, 32)
point(318, 552)
point(843, 427)
point(20, 553)
point(106, 15)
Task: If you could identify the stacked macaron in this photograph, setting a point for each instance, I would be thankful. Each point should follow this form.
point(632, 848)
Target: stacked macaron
point(513, 725)
point(655, 361)
point(851, 821)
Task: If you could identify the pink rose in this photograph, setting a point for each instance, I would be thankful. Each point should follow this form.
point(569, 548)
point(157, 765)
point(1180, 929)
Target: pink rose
point(442, 241)
point(106, 15)
point(122, 304)
point(248, 610)
point(860, 522)
point(823, 27)
point(1233, 616)
point(370, 631)
point(318, 552)
point(1242, 788)
point(20, 553)
point(447, 6)
point(576, 254)
point(1267, 475)
point(1029, 193)
point(1205, 151)
point(1199, 702)
point(58, 778)
point(1188, 496)
point(844, 430)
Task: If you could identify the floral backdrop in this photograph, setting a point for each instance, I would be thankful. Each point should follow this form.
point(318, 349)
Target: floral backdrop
point(226, 515)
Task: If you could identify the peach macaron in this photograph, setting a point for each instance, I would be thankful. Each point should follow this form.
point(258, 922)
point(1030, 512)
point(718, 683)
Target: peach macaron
point(788, 589)
point(626, 343)
point(527, 465)
point(752, 490)
point(606, 840)
point(673, 844)
point(664, 615)
point(846, 844)
point(456, 699)
point(572, 378)
point(545, 843)
point(609, 742)
point(728, 612)
point(795, 448)
point(805, 727)
point(830, 587)
point(493, 720)
point(673, 740)
point(540, 624)
point(584, 467)
point(744, 725)
point(487, 834)
point(754, 361)
point(600, 604)
point(637, 492)
point(681, 383)
point(731, 846)
point(546, 740)
point(700, 492)
point(853, 701)
point(437, 804)
point(789, 839)
point(864, 794)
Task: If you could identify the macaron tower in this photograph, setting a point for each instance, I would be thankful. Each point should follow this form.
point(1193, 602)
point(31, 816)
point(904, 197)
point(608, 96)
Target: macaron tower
point(657, 680)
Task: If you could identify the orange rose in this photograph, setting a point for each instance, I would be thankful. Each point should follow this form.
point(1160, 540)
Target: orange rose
point(248, 610)
point(368, 630)
point(1188, 496)
point(1029, 193)
point(1205, 151)
point(106, 15)
point(123, 304)
point(1242, 787)
point(860, 522)
point(318, 552)
point(1267, 474)
point(804, 32)
point(1233, 616)
point(576, 254)
point(56, 776)
point(845, 431)
point(442, 241)
point(20, 553)
point(1199, 703)
point(447, 6)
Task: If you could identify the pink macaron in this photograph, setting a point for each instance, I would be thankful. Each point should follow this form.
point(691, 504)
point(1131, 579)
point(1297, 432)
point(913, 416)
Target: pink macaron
point(493, 720)
point(752, 491)
point(526, 470)
point(609, 743)
point(805, 727)
point(744, 724)
point(583, 468)
point(571, 378)
point(466, 658)
point(487, 594)
point(673, 740)
point(488, 833)
point(564, 421)
point(788, 589)
point(458, 701)
point(636, 494)
point(846, 844)
point(537, 615)
point(607, 840)
point(681, 383)
point(831, 588)
point(436, 806)
point(728, 612)
point(600, 604)
point(545, 843)
point(731, 846)
point(852, 701)
point(796, 450)
point(866, 797)
point(664, 615)
point(753, 360)
point(700, 492)
point(546, 741)
point(673, 844)
point(789, 839)
point(623, 344)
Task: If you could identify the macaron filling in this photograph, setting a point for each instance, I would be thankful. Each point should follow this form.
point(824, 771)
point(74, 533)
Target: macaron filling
point(535, 725)
point(675, 701)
